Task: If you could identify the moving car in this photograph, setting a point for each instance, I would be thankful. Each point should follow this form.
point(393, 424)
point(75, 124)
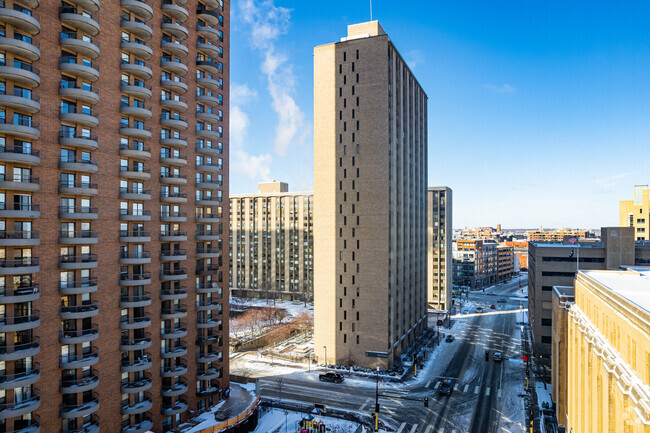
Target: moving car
point(445, 387)
point(479, 310)
point(493, 306)
point(449, 338)
point(501, 301)
point(331, 377)
point(498, 357)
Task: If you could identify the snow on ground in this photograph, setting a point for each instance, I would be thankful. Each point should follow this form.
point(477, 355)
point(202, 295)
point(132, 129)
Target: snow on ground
point(293, 308)
point(278, 421)
point(543, 394)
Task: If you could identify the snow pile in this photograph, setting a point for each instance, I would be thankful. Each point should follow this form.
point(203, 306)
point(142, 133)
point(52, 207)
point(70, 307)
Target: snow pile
point(278, 421)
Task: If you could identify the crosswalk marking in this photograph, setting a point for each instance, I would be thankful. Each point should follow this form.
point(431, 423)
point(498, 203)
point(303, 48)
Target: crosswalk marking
point(415, 427)
point(399, 430)
point(499, 393)
point(476, 389)
point(466, 388)
point(487, 391)
point(428, 430)
point(427, 385)
point(363, 406)
point(436, 385)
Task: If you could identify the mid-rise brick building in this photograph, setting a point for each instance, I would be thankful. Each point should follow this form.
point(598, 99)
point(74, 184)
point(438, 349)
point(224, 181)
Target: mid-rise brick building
point(440, 228)
point(113, 206)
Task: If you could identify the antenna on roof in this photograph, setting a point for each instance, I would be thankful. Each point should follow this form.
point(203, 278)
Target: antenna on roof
point(370, 10)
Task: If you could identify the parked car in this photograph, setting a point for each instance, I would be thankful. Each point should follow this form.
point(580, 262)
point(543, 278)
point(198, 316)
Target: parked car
point(498, 357)
point(439, 323)
point(449, 338)
point(446, 387)
point(479, 310)
point(493, 306)
point(501, 301)
point(330, 376)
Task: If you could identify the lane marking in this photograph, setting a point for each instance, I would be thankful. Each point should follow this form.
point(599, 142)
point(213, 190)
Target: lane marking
point(499, 393)
point(363, 406)
point(415, 427)
point(428, 383)
point(476, 390)
point(466, 388)
point(487, 391)
point(437, 385)
point(401, 428)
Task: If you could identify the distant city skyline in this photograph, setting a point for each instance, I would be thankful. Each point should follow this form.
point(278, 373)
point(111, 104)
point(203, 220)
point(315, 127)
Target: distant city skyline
point(536, 116)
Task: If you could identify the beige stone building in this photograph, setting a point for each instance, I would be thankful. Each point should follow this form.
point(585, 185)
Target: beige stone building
point(370, 183)
point(607, 363)
point(636, 213)
point(272, 243)
point(555, 235)
point(562, 298)
point(439, 258)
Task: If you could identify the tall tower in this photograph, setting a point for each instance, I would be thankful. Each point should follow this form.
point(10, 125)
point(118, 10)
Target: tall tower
point(440, 247)
point(636, 213)
point(113, 205)
point(370, 182)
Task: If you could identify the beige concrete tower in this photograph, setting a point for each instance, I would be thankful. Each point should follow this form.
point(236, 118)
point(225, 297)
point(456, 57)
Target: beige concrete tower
point(370, 182)
point(440, 245)
point(636, 213)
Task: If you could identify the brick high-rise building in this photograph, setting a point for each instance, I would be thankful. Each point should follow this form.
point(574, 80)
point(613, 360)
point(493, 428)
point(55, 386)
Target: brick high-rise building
point(439, 257)
point(370, 185)
point(113, 159)
point(636, 213)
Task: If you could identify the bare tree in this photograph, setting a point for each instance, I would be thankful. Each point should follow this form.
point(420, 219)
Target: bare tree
point(349, 362)
point(279, 385)
point(245, 371)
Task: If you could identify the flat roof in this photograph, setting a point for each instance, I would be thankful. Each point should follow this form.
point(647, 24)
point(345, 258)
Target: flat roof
point(633, 284)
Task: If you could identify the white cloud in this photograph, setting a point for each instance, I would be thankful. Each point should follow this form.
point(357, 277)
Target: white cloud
point(255, 167)
point(241, 94)
point(267, 22)
point(611, 181)
point(501, 88)
point(414, 58)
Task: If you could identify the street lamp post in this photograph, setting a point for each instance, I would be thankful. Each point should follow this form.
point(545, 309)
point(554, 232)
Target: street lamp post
point(325, 363)
point(377, 402)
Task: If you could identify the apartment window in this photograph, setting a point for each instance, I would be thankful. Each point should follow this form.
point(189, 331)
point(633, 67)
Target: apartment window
point(547, 322)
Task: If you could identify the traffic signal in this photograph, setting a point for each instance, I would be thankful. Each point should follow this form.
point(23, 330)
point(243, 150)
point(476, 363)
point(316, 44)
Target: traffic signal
point(426, 401)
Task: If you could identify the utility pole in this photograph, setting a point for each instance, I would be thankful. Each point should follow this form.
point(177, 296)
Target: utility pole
point(377, 402)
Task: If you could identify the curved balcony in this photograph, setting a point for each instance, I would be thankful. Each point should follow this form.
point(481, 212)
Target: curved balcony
point(77, 287)
point(137, 90)
point(178, 312)
point(135, 151)
point(137, 322)
point(173, 294)
point(140, 427)
point(19, 238)
point(80, 44)
point(176, 84)
point(135, 301)
point(140, 30)
point(210, 148)
point(143, 113)
point(209, 117)
point(211, 201)
point(21, 379)
point(175, 66)
point(76, 18)
point(23, 19)
point(78, 212)
point(79, 360)
point(142, 406)
point(208, 99)
point(82, 93)
point(213, 288)
point(173, 235)
point(210, 49)
point(78, 187)
point(139, 258)
point(179, 13)
point(212, 17)
point(21, 72)
point(176, 140)
point(216, 4)
point(207, 270)
point(207, 357)
point(131, 344)
point(173, 352)
point(13, 409)
point(178, 388)
point(137, 49)
point(176, 370)
point(86, 165)
point(79, 140)
point(32, 425)
point(86, 261)
point(212, 339)
point(210, 33)
point(173, 217)
point(207, 235)
point(173, 255)
point(91, 5)
point(135, 236)
point(139, 8)
point(173, 274)
point(19, 182)
point(15, 351)
point(173, 179)
point(174, 104)
point(208, 374)
point(176, 30)
point(79, 67)
point(26, 265)
point(73, 386)
point(209, 167)
point(92, 427)
point(22, 127)
point(207, 322)
point(207, 253)
point(79, 311)
point(76, 336)
point(131, 215)
point(138, 385)
point(179, 123)
point(138, 173)
point(140, 279)
point(142, 133)
point(179, 406)
point(139, 68)
point(207, 218)
point(210, 66)
point(24, 101)
point(173, 333)
point(209, 185)
point(176, 48)
point(21, 155)
point(78, 237)
point(82, 117)
point(138, 364)
point(79, 410)
point(10, 295)
point(169, 197)
point(207, 304)
point(211, 84)
point(138, 194)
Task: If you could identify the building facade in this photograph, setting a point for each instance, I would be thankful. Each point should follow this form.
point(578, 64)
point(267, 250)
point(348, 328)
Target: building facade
point(272, 243)
point(475, 263)
point(607, 334)
point(439, 258)
point(113, 159)
point(521, 253)
point(555, 264)
point(636, 213)
point(555, 235)
point(370, 182)
point(505, 263)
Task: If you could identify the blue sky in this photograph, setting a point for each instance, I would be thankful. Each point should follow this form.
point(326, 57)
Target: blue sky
point(539, 112)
